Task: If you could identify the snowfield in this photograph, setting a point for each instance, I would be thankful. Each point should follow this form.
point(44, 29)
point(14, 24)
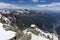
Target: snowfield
point(34, 37)
point(6, 35)
point(41, 36)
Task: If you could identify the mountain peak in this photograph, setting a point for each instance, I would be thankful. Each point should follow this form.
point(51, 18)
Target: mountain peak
point(38, 34)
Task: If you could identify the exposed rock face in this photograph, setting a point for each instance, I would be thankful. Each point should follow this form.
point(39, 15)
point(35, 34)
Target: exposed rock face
point(9, 23)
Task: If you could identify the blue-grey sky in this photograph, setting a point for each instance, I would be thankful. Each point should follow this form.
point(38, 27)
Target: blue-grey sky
point(33, 4)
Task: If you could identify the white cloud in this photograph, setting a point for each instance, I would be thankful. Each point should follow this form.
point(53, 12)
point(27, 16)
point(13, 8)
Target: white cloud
point(35, 0)
point(7, 5)
point(52, 6)
point(38, 0)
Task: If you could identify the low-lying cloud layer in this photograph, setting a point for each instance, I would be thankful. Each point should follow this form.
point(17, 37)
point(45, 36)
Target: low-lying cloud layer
point(52, 6)
point(7, 5)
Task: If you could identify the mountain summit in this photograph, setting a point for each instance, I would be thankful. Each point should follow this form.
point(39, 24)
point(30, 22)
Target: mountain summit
point(34, 33)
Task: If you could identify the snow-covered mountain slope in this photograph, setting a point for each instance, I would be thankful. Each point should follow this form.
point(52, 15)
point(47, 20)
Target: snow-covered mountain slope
point(14, 29)
point(8, 29)
point(5, 35)
point(37, 34)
